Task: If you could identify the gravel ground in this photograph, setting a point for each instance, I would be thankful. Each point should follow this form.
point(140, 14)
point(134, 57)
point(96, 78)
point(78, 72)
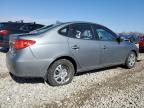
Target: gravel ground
point(111, 87)
point(3, 69)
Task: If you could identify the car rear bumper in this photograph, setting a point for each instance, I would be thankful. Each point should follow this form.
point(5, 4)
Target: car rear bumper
point(26, 68)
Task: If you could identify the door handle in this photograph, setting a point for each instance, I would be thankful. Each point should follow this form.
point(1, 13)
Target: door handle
point(105, 47)
point(75, 47)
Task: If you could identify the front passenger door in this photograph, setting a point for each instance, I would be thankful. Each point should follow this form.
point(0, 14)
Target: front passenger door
point(112, 52)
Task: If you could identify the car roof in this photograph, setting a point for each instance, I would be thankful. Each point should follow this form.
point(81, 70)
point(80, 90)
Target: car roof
point(74, 22)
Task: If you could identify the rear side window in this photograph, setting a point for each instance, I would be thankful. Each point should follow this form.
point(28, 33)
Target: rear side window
point(81, 31)
point(64, 31)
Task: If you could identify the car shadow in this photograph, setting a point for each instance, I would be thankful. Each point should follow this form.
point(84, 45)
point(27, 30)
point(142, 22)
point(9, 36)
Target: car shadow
point(22, 80)
point(97, 70)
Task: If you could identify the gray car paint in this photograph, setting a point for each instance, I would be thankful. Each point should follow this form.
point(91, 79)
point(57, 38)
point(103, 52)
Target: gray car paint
point(35, 60)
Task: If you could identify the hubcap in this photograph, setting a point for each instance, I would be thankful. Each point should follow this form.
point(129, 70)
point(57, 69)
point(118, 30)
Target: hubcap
point(131, 60)
point(61, 74)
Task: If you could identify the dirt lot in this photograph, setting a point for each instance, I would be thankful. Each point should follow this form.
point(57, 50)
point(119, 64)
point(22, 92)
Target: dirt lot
point(112, 87)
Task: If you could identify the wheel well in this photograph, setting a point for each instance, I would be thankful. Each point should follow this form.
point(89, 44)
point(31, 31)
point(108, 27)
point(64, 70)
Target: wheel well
point(70, 59)
point(135, 53)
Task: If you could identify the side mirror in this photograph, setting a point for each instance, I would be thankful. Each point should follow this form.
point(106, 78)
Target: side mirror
point(120, 39)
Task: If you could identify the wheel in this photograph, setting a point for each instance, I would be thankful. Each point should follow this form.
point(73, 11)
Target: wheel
point(131, 60)
point(61, 72)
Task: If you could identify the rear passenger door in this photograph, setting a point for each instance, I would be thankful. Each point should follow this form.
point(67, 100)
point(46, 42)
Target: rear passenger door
point(84, 46)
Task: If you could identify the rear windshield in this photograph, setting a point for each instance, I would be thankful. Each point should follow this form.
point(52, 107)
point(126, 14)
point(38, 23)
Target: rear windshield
point(45, 29)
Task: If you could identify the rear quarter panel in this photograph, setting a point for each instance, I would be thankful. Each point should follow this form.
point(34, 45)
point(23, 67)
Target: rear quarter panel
point(51, 46)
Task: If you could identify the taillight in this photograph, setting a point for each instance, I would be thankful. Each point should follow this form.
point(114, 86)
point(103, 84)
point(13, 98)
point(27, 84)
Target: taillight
point(4, 32)
point(20, 44)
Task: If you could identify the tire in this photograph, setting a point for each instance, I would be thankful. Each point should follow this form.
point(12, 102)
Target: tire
point(131, 60)
point(60, 73)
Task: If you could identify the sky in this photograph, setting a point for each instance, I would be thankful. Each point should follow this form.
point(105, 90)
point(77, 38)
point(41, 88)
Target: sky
point(118, 15)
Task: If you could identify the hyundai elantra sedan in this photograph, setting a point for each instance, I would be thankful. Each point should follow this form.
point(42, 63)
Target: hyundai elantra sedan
point(56, 53)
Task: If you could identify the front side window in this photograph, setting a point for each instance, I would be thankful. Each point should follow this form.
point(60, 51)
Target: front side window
point(105, 35)
point(81, 31)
